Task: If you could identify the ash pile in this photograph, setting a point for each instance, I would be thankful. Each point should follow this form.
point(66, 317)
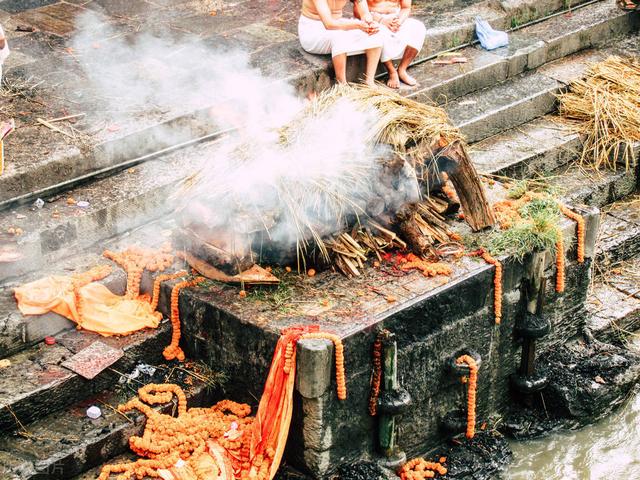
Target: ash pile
point(356, 172)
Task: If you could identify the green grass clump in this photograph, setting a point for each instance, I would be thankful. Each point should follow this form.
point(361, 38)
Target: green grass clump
point(538, 230)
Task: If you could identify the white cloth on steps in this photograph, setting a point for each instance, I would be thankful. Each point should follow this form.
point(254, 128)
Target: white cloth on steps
point(411, 33)
point(315, 38)
point(4, 53)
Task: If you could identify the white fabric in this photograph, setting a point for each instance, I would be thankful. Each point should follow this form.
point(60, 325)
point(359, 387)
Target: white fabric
point(315, 38)
point(4, 53)
point(411, 33)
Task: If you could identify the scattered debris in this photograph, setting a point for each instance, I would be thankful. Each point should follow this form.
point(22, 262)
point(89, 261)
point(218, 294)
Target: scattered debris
point(39, 203)
point(5, 363)
point(53, 127)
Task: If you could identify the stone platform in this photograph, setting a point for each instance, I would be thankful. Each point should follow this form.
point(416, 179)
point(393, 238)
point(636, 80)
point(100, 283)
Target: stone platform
point(433, 318)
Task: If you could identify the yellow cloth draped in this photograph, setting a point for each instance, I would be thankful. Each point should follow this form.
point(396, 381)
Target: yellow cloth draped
point(103, 312)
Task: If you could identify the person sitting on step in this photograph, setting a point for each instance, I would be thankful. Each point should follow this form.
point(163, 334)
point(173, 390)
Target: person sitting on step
point(403, 37)
point(322, 29)
point(4, 50)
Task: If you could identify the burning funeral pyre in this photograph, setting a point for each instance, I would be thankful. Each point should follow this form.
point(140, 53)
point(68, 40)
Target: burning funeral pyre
point(359, 171)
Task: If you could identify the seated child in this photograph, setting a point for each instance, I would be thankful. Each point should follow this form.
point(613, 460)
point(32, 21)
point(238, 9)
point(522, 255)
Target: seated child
point(403, 37)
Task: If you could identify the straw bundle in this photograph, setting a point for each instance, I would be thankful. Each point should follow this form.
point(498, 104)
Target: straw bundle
point(604, 107)
point(414, 130)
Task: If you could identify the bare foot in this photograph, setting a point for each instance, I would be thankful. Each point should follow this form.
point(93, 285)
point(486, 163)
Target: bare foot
point(406, 78)
point(394, 80)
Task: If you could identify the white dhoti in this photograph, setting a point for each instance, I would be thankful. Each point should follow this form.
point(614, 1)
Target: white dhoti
point(315, 38)
point(411, 33)
point(4, 52)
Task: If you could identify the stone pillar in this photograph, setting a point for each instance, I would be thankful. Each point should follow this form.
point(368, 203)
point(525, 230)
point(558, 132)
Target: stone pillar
point(313, 381)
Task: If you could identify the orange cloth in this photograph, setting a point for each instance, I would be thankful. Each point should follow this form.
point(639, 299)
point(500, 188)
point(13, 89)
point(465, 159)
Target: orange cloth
point(270, 428)
point(102, 311)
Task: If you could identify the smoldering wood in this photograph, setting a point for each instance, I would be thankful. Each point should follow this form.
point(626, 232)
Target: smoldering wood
point(454, 160)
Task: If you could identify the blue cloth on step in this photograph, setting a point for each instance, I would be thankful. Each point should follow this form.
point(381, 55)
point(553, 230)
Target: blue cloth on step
point(490, 39)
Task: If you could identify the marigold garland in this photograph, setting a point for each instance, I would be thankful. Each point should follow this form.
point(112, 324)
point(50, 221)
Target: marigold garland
point(173, 350)
point(377, 375)
point(134, 260)
point(471, 393)
point(580, 229)
point(497, 282)
point(420, 469)
point(560, 263)
point(428, 269)
point(341, 380)
point(187, 437)
point(157, 283)
point(79, 280)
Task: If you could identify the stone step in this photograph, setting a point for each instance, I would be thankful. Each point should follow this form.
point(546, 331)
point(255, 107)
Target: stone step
point(57, 161)
point(619, 238)
point(36, 384)
point(518, 100)
point(18, 332)
point(67, 443)
point(529, 48)
point(614, 303)
point(596, 189)
point(529, 150)
point(116, 204)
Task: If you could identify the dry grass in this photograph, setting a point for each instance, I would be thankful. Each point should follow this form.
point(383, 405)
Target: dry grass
point(414, 130)
point(604, 107)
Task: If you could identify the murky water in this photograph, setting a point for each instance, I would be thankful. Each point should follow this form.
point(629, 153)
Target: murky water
point(607, 450)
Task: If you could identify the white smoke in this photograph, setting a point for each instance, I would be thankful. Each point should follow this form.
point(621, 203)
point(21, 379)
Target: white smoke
point(302, 187)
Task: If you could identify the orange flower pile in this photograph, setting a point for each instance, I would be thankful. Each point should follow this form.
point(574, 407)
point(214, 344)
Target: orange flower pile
point(471, 393)
point(580, 229)
point(341, 380)
point(195, 439)
point(157, 283)
point(419, 469)
point(507, 213)
point(428, 269)
point(221, 442)
point(134, 260)
point(173, 350)
point(377, 376)
point(560, 263)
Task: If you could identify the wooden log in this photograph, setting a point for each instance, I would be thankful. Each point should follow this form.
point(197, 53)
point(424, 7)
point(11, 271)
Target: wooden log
point(231, 263)
point(419, 243)
point(454, 160)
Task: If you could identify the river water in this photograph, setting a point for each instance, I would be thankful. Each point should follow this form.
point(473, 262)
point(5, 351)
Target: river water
point(609, 450)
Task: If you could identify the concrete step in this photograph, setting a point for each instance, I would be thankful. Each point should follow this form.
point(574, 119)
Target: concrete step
point(67, 443)
point(448, 26)
point(529, 48)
